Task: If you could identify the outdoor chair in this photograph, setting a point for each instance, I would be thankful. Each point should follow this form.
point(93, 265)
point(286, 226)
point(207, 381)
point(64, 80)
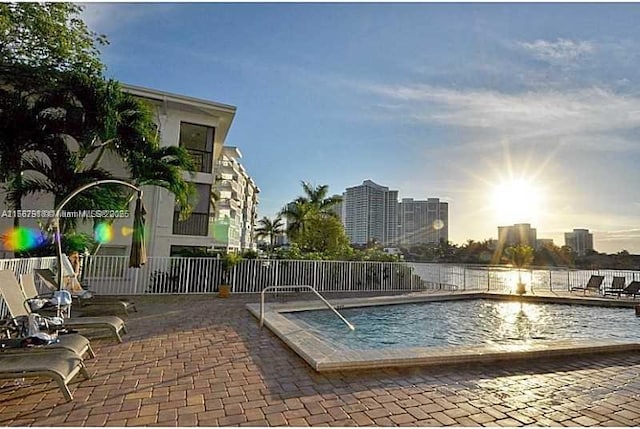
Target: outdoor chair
point(72, 342)
point(14, 299)
point(86, 297)
point(617, 285)
point(632, 289)
point(593, 285)
point(29, 290)
point(61, 366)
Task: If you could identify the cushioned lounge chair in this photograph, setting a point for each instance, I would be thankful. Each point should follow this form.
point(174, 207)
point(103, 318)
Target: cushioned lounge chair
point(29, 289)
point(593, 285)
point(61, 366)
point(49, 280)
point(72, 342)
point(617, 285)
point(632, 289)
point(14, 299)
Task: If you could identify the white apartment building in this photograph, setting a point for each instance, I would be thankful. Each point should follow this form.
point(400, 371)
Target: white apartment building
point(422, 222)
point(580, 241)
point(370, 213)
point(200, 126)
point(237, 203)
point(518, 234)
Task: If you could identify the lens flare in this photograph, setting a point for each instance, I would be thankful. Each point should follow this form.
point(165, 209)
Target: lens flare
point(21, 239)
point(103, 233)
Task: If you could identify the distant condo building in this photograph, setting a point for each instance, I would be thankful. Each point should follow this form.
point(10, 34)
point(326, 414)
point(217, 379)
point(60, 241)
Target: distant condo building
point(372, 212)
point(422, 221)
point(338, 209)
point(518, 234)
point(580, 241)
point(544, 242)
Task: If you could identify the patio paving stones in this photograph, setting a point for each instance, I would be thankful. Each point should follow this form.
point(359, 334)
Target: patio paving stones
point(201, 360)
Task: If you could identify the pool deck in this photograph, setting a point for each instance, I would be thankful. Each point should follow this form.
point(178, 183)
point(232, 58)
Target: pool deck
point(202, 360)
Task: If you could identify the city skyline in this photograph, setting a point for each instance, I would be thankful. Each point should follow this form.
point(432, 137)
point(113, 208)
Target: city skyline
point(511, 113)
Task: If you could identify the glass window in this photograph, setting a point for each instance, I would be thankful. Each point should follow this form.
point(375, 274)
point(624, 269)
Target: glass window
point(198, 141)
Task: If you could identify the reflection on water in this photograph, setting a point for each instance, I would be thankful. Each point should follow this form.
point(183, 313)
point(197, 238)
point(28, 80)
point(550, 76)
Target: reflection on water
point(470, 322)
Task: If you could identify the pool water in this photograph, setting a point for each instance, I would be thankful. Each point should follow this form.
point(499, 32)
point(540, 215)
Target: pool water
point(468, 322)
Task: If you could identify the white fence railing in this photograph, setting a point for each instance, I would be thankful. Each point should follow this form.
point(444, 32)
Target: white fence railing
point(184, 275)
point(111, 275)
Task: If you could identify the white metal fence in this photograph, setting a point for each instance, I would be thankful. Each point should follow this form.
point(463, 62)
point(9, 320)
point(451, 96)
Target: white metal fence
point(111, 275)
point(184, 275)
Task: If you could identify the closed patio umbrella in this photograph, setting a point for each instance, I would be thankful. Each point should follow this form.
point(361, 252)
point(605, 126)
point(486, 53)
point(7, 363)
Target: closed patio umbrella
point(138, 256)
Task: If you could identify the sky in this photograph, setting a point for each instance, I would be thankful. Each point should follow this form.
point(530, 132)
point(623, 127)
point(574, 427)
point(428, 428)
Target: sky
point(510, 112)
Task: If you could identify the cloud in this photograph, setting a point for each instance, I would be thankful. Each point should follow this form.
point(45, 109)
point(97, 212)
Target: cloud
point(619, 235)
point(592, 118)
point(107, 17)
point(560, 52)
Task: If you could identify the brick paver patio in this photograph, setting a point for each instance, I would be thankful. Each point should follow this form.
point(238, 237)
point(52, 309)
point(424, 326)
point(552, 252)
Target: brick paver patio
point(202, 360)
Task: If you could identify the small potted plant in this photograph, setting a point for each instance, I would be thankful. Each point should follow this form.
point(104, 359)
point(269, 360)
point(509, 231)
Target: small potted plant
point(229, 260)
point(520, 256)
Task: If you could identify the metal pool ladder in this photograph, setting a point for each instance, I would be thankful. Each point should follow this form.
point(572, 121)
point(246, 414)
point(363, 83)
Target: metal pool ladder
point(312, 289)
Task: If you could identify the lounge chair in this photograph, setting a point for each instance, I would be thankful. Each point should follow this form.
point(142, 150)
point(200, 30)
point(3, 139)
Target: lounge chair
point(14, 299)
point(593, 285)
point(617, 285)
point(61, 366)
point(31, 292)
point(72, 342)
point(83, 299)
point(632, 289)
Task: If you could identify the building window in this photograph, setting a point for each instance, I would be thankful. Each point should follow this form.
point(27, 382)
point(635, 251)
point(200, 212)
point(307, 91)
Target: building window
point(188, 251)
point(198, 222)
point(198, 141)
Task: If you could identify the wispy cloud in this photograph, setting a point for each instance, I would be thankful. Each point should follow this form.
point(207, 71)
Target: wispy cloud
point(558, 52)
point(107, 17)
point(588, 117)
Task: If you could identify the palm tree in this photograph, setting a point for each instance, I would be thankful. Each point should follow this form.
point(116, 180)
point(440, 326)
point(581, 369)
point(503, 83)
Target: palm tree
point(299, 211)
point(58, 171)
point(95, 116)
point(270, 228)
point(316, 196)
point(25, 100)
point(296, 213)
point(520, 256)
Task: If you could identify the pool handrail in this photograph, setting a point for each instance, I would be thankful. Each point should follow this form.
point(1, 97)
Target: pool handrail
point(312, 289)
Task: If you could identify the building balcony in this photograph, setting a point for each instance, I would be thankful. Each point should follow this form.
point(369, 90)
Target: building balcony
point(196, 224)
point(203, 161)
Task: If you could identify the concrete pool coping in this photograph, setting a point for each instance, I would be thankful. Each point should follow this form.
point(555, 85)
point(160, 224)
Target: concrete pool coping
point(323, 356)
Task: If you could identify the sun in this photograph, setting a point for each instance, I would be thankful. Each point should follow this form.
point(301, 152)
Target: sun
point(517, 200)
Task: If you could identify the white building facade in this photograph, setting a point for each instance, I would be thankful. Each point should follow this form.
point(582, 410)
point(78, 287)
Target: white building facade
point(201, 127)
point(372, 212)
point(580, 241)
point(237, 203)
point(422, 221)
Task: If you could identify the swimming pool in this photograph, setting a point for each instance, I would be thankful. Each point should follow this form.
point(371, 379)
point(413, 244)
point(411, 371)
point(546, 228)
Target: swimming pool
point(468, 322)
point(445, 328)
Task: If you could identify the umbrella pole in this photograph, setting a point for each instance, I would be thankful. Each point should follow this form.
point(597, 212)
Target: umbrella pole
point(56, 218)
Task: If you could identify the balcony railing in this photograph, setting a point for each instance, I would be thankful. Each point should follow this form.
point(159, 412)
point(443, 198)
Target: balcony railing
point(196, 224)
point(202, 161)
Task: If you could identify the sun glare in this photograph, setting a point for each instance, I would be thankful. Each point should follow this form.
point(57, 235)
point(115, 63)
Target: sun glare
point(517, 201)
